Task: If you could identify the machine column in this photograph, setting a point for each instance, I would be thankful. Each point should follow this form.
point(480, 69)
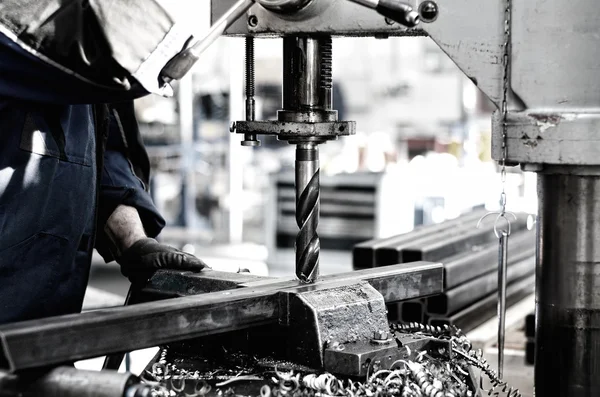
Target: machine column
point(568, 285)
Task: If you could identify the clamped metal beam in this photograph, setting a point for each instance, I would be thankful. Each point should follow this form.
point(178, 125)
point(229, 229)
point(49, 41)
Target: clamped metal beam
point(57, 340)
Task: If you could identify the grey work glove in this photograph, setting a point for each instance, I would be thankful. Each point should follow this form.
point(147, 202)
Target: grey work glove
point(144, 257)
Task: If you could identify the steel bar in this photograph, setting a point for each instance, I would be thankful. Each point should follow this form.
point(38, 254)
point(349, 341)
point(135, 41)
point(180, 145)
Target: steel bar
point(466, 294)
point(74, 337)
point(458, 240)
point(568, 285)
point(375, 252)
point(472, 264)
point(174, 283)
point(394, 252)
point(480, 312)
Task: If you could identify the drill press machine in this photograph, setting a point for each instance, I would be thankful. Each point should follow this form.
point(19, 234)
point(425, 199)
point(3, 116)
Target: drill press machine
point(536, 61)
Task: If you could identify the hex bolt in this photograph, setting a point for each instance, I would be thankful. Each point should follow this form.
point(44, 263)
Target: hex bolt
point(380, 335)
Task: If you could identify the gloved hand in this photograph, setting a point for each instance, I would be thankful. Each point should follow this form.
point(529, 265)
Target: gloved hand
point(144, 257)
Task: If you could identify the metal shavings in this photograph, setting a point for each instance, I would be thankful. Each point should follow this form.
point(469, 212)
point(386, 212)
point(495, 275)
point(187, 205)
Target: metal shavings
point(425, 377)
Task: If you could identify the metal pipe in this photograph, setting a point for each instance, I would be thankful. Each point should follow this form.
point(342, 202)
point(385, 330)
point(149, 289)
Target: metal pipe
point(568, 286)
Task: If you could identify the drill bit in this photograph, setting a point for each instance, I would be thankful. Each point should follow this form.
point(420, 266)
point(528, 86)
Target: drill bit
point(308, 244)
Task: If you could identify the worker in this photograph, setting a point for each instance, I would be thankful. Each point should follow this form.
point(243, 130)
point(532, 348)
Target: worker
point(73, 170)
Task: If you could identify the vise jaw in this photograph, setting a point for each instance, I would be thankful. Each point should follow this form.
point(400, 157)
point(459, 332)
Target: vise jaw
point(320, 316)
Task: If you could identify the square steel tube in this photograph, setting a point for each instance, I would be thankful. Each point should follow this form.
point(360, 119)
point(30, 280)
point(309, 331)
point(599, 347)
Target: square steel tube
point(57, 340)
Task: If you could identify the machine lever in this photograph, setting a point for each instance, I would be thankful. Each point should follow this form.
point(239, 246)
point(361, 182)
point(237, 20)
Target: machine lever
point(397, 11)
point(183, 62)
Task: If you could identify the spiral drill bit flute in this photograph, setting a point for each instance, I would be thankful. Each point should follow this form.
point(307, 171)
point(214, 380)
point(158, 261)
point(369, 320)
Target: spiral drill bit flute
point(307, 212)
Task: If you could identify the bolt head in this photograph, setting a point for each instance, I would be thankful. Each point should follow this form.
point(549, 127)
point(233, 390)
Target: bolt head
point(428, 11)
point(253, 21)
point(251, 143)
point(380, 335)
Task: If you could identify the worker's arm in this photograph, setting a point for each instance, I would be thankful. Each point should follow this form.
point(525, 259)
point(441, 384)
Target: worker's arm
point(127, 219)
point(138, 255)
point(88, 51)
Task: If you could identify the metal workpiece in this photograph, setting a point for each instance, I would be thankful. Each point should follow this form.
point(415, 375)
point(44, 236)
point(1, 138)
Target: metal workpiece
point(441, 243)
point(470, 292)
point(92, 334)
point(388, 251)
point(308, 245)
point(468, 266)
point(487, 308)
point(71, 382)
point(568, 286)
point(176, 283)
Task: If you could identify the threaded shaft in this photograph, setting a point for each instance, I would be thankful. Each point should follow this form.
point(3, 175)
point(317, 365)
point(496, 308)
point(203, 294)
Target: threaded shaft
point(308, 244)
point(326, 49)
point(250, 74)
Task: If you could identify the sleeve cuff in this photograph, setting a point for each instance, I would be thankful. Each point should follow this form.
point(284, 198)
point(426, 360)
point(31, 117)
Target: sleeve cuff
point(111, 197)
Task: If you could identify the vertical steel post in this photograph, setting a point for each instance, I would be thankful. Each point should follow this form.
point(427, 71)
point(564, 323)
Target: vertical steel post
point(568, 285)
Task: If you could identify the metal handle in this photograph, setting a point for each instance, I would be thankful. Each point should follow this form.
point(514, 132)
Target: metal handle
point(395, 10)
point(183, 62)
